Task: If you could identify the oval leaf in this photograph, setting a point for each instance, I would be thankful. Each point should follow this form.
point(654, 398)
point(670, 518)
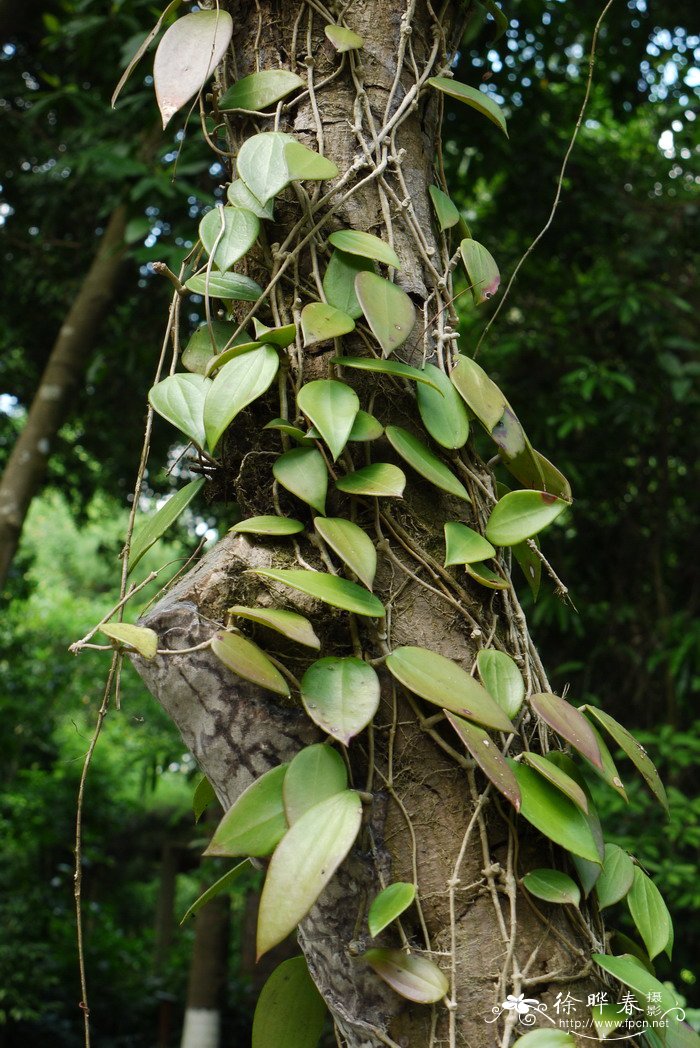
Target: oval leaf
point(379, 479)
point(447, 213)
point(365, 427)
point(355, 242)
point(339, 282)
point(339, 593)
point(290, 1010)
point(415, 978)
point(558, 778)
point(352, 545)
point(502, 679)
point(343, 39)
point(260, 90)
point(465, 546)
point(389, 905)
point(248, 661)
point(141, 639)
point(237, 384)
point(387, 367)
point(634, 750)
point(262, 165)
point(387, 308)
point(425, 462)
point(553, 886)
point(228, 232)
point(482, 270)
point(442, 411)
point(521, 514)
point(224, 285)
point(316, 773)
point(148, 532)
point(650, 914)
point(478, 391)
point(303, 472)
point(489, 758)
point(180, 399)
point(268, 525)
point(566, 721)
point(332, 407)
point(303, 863)
point(485, 576)
point(553, 814)
point(256, 822)
point(341, 696)
point(483, 103)
point(186, 57)
point(289, 623)
point(615, 878)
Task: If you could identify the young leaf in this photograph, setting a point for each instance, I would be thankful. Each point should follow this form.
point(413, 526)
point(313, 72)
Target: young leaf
point(203, 796)
point(567, 722)
point(321, 323)
point(354, 242)
point(306, 164)
point(442, 410)
point(141, 639)
point(482, 270)
point(224, 285)
point(268, 525)
point(502, 679)
point(303, 864)
point(303, 472)
point(478, 100)
point(387, 308)
point(141, 50)
point(352, 545)
point(387, 367)
point(208, 342)
point(552, 886)
point(447, 213)
point(615, 878)
point(341, 696)
point(237, 384)
point(148, 533)
point(223, 884)
point(489, 758)
point(332, 407)
point(521, 514)
point(381, 479)
point(186, 57)
point(465, 546)
point(343, 39)
point(290, 1010)
point(248, 661)
point(260, 90)
point(180, 399)
point(239, 195)
point(339, 282)
point(558, 778)
point(415, 978)
point(339, 593)
point(425, 462)
point(276, 336)
point(478, 391)
point(441, 681)
point(389, 905)
point(289, 623)
point(650, 914)
point(634, 750)
point(365, 427)
point(256, 822)
point(485, 576)
point(228, 233)
point(553, 814)
point(316, 773)
point(262, 165)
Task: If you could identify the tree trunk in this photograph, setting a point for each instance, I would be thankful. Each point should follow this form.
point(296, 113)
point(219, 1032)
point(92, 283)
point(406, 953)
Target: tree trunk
point(26, 466)
point(429, 820)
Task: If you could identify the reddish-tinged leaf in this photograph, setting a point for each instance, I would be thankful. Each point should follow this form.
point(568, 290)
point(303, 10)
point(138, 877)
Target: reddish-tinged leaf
point(566, 720)
point(488, 756)
point(187, 56)
point(634, 750)
point(415, 978)
point(558, 778)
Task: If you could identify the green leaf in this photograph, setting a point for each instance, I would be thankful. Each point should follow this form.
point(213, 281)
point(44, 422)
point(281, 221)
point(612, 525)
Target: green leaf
point(203, 796)
point(237, 384)
point(262, 165)
point(141, 639)
point(187, 55)
point(206, 343)
point(442, 410)
point(502, 679)
point(284, 426)
point(224, 285)
point(482, 270)
point(609, 771)
point(465, 546)
point(379, 479)
point(223, 884)
point(616, 877)
point(387, 308)
point(447, 213)
point(289, 623)
point(389, 905)
point(478, 100)
point(441, 681)
point(332, 407)
point(489, 758)
point(567, 722)
point(339, 282)
point(545, 1038)
point(248, 661)
point(306, 164)
point(553, 814)
point(316, 773)
point(479, 392)
point(339, 593)
point(627, 970)
point(303, 864)
point(216, 363)
point(530, 565)
point(239, 195)
point(650, 914)
point(141, 51)
point(425, 462)
point(341, 696)
point(268, 525)
point(386, 367)
point(606, 1018)
point(485, 576)
point(303, 472)
point(535, 471)
point(233, 230)
point(558, 778)
point(180, 399)
point(354, 242)
point(365, 427)
point(521, 514)
point(277, 336)
point(501, 20)
point(343, 39)
point(321, 323)
point(148, 532)
point(553, 886)
point(354, 547)
point(290, 1010)
point(634, 750)
point(260, 90)
point(415, 978)
point(256, 822)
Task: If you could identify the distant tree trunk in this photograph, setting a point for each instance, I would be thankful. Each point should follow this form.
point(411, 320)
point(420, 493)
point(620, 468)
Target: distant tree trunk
point(26, 466)
point(207, 978)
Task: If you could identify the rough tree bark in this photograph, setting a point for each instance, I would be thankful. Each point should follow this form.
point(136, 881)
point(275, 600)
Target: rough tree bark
point(473, 917)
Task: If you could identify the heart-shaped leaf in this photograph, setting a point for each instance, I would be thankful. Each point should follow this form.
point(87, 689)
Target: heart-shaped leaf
point(553, 814)
point(248, 661)
point(303, 472)
point(282, 336)
point(482, 270)
point(355, 242)
point(389, 905)
point(387, 367)
point(553, 886)
point(447, 213)
point(352, 545)
point(303, 863)
point(465, 546)
point(260, 90)
point(478, 100)
point(256, 822)
point(502, 679)
point(415, 978)
point(442, 410)
point(207, 342)
point(425, 462)
point(187, 55)
point(236, 385)
point(387, 308)
point(180, 399)
point(289, 623)
point(149, 531)
point(321, 322)
point(634, 750)
point(316, 773)
point(489, 758)
point(558, 778)
point(341, 696)
point(224, 884)
point(343, 39)
point(478, 391)
point(141, 639)
point(332, 407)
point(235, 286)
point(290, 1010)
point(521, 514)
point(365, 427)
point(239, 195)
point(381, 479)
point(262, 165)
point(486, 576)
point(306, 164)
point(566, 721)
point(227, 234)
point(268, 525)
point(339, 593)
point(339, 281)
point(615, 878)
point(441, 681)
point(650, 914)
